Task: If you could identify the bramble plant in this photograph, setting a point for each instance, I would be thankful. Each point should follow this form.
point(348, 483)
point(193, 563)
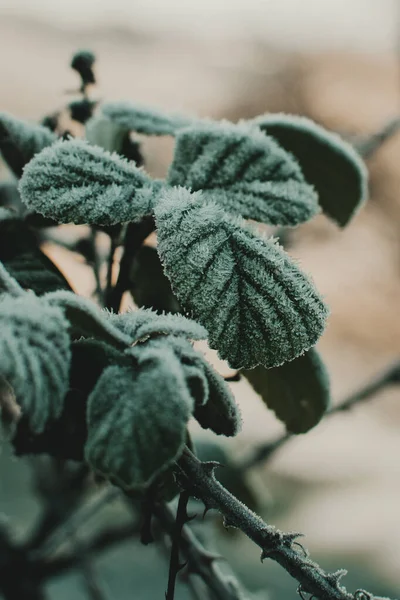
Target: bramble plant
point(115, 391)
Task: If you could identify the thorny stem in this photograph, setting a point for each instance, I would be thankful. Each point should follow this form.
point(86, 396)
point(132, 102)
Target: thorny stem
point(199, 480)
point(265, 451)
point(136, 233)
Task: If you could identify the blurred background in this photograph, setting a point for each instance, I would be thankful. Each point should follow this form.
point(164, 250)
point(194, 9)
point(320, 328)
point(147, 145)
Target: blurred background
point(338, 62)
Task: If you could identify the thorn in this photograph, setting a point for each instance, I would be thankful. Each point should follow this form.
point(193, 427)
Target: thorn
point(228, 523)
point(181, 566)
point(210, 466)
point(335, 577)
point(289, 538)
point(300, 592)
point(362, 595)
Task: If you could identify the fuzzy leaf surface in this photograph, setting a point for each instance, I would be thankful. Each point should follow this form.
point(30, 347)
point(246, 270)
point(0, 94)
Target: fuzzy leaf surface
point(329, 163)
point(75, 182)
point(86, 319)
point(35, 356)
point(257, 306)
point(246, 172)
point(142, 119)
point(20, 141)
point(144, 323)
point(298, 392)
point(137, 419)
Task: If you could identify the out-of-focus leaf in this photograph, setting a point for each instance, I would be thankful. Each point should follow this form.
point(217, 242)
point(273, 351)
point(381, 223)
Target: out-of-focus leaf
point(298, 392)
point(329, 163)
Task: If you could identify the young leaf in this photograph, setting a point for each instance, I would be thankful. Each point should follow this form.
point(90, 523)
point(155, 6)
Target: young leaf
point(257, 306)
point(142, 119)
point(23, 259)
point(246, 172)
point(137, 419)
point(35, 356)
point(149, 287)
point(20, 141)
point(103, 132)
point(75, 182)
point(87, 320)
point(144, 323)
point(329, 163)
point(298, 392)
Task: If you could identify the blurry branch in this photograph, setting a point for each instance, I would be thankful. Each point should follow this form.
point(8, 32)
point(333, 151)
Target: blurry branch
point(265, 451)
point(174, 564)
point(199, 480)
point(367, 146)
point(85, 512)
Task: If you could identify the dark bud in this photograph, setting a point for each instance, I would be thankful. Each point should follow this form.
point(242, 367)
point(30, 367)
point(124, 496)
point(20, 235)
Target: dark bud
point(83, 62)
point(51, 121)
point(82, 110)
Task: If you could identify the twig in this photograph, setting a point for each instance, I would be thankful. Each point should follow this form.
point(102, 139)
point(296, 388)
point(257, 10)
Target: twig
point(110, 264)
point(199, 480)
point(174, 564)
point(81, 516)
point(265, 451)
point(200, 561)
point(369, 145)
point(136, 234)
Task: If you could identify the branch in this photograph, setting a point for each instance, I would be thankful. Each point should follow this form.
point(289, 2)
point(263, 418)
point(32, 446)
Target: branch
point(136, 234)
point(265, 451)
point(199, 480)
point(369, 145)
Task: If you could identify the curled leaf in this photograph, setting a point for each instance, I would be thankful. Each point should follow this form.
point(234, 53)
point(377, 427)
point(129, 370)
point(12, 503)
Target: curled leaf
point(75, 182)
point(137, 419)
point(246, 172)
point(35, 356)
point(329, 163)
point(87, 320)
point(142, 119)
point(255, 303)
point(220, 413)
point(20, 141)
point(298, 392)
point(141, 324)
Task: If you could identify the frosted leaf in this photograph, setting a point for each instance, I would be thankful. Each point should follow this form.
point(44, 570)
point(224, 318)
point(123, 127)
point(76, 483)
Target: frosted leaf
point(246, 172)
point(35, 356)
point(137, 419)
point(143, 119)
point(329, 163)
point(75, 182)
point(256, 304)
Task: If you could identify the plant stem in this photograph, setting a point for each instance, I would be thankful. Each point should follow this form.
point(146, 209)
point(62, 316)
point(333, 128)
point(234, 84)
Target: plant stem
point(174, 565)
point(136, 234)
point(199, 480)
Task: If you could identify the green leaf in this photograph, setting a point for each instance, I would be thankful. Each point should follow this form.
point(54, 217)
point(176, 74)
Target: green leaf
point(144, 323)
point(35, 356)
point(246, 172)
point(87, 320)
point(298, 392)
point(23, 259)
point(75, 182)
point(220, 413)
point(142, 119)
point(103, 132)
point(329, 163)
point(149, 287)
point(9, 284)
point(137, 419)
point(20, 141)
point(257, 306)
